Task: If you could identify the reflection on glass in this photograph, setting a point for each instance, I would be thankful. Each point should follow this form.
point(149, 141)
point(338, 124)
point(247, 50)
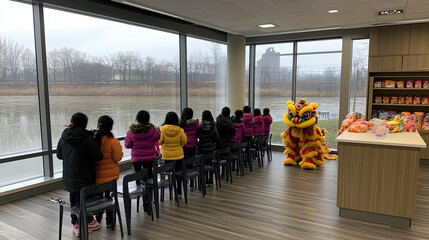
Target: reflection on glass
point(359, 76)
point(109, 68)
point(273, 82)
point(318, 80)
point(22, 170)
point(206, 76)
point(19, 109)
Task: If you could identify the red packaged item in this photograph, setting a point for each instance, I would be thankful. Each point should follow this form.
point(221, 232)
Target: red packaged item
point(425, 84)
point(409, 84)
point(418, 84)
point(378, 99)
point(389, 84)
point(401, 100)
point(400, 84)
point(408, 99)
point(394, 99)
point(417, 100)
point(386, 99)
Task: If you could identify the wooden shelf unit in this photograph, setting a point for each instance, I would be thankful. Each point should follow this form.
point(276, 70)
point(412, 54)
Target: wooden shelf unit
point(397, 76)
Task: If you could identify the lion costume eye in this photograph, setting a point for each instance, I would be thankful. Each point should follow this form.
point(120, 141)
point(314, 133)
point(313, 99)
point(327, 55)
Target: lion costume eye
point(290, 114)
point(306, 115)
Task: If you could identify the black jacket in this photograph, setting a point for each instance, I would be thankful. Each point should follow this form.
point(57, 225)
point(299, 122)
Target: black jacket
point(79, 152)
point(207, 137)
point(226, 131)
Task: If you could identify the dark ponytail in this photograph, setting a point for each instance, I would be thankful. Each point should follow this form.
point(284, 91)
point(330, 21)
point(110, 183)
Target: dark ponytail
point(104, 128)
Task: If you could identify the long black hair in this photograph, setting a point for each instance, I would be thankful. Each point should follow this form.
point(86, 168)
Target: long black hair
point(187, 114)
point(104, 128)
point(207, 116)
point(238, 116)
point(171, 119)
point(79, 120)
point(143, 117)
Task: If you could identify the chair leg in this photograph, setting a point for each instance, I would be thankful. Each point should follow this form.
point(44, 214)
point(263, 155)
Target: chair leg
point(149, 205)
point(138, 203)
point(119, 217)
point(156, 197)
point(230, 171)
point(176, 196)
point(185, 189)
point(61, 222)
point(127, 207)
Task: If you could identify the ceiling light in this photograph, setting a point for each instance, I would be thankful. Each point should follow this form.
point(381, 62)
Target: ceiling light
point(267, 25)
point(150, 9)
point(333, 11)
point(391, 12)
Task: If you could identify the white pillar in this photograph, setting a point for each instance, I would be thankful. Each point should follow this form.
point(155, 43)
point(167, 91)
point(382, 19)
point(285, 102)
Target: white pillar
point(236, 54)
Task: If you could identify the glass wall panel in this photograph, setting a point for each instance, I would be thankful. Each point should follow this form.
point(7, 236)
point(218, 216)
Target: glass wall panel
point(22, 170)
point(207, 74)
point(359, 76)
point(318, 80)
point(100, 67)
point(19, 109)
point(246, 76)
point(273, 82)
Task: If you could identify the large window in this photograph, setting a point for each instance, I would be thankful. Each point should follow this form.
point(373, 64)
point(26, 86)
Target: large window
point(19, 109)
point(318, 80)
point(103, 67)
point(206, 76)
point(359, 76)
point(273, 82)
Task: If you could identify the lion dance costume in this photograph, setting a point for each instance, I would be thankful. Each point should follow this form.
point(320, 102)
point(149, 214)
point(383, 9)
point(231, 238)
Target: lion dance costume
point(304, 141)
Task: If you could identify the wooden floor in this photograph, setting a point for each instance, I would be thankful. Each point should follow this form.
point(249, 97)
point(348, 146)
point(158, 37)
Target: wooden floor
point(274, 202)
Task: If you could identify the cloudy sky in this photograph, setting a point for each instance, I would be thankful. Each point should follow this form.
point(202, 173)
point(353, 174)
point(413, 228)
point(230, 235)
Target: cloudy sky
point(95, 36)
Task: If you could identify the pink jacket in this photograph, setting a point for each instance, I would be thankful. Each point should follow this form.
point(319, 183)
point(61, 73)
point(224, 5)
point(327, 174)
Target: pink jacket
point(239, 129)
point(267, 124)
point(190, 129)
point(141, 139)
point(248, 125)
point(258, 129)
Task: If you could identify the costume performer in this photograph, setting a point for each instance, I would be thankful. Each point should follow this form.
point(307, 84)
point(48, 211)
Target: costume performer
point(304, 141)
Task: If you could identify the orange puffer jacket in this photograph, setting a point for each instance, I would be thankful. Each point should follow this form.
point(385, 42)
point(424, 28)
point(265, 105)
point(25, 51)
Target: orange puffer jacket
point(108, 168)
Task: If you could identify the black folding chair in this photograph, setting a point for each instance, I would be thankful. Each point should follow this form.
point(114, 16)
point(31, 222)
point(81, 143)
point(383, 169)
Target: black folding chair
point(135, 192)
point(91, 203)
point(190, 170)
point(224, 159)
point(167, 178)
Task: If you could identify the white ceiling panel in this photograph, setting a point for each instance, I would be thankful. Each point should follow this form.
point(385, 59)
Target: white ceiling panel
point(244, 16)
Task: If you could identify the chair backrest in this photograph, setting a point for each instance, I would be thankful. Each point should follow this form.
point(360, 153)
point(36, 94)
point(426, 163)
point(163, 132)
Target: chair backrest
point(141, 175)
point(98, 189)
point(222, 152)
point(234, 147)
point(205, 157)
point(193, 161)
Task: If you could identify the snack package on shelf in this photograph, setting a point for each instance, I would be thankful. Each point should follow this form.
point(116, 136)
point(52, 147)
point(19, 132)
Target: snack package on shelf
point(425, 100)
point(409, 99)
point(378, 99)
point(409, 84)
point(400, 84)
point(394, 100)
point(417, 100)
point(418, 84)
point(419, 119)
point(389, 84)
point(425, 122)
point(386, 99)
point(401, 100)
point(426, 84)
point(410, 124)
point(350, 118)
point(374, 114)
point(377, 84)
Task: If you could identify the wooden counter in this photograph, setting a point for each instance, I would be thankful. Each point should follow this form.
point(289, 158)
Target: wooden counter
point(377, 177)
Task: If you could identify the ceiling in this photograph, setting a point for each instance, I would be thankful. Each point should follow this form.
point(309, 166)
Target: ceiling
point(244, 16)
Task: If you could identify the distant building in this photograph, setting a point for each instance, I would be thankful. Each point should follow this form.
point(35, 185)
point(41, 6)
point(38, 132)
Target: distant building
point(270, 59)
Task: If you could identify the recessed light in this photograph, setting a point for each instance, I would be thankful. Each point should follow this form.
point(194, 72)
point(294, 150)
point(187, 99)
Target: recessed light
point(267, 25)
point(333, 11)
point(391, 12)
